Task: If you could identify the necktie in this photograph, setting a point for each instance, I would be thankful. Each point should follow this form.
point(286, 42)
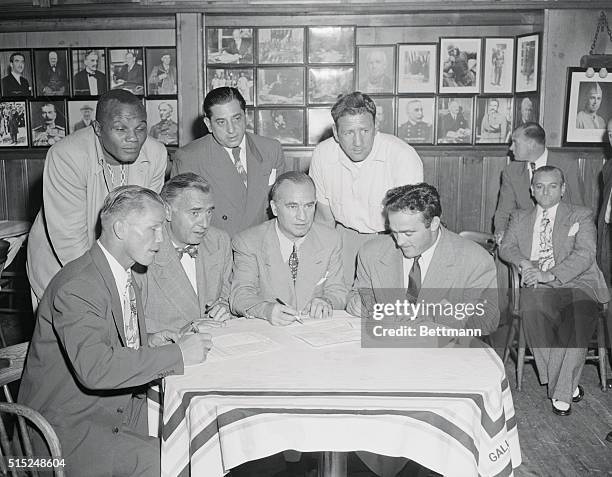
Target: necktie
point(191, 250)
point(238, 164)
point(532, 168)
point(293, 262)
point(414, 281)
point(130, 315)
point(546, 259)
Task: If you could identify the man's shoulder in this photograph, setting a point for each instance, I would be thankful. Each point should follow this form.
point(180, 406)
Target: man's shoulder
point(263, 142)
point(256, 234)
point(377, 246)
point(514, 167)
point(196, 146)
point(575, 211)
point(217, 236)
point(463, 249)
point(327, 234)
point(326, 146)
point(389, 141)
point(154, 150)
point(75, 273)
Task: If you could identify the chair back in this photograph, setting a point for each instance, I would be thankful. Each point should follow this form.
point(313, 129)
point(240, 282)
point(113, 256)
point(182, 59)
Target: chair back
point(485, 240)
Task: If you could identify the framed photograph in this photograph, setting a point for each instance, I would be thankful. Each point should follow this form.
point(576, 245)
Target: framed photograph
point(385, 114)
point(459, 65)
point(331, 44)
point(13, 124)
point(320, 124)
point(526, 109)
point(126, 70)
point(415, 119)
point(162, 120)
point(284, 125)
point(454, 120)
point(81, 113)
point(498, 65)
point(527, 63)
point(88, 72)
point(282, 85)
point(161, 71)
point(229, 45)
point(16, 73)
point(376, 68)
point(326, 84)
point(588, 107)
point(51, 67)
point(493, 120)
point(280, 46)
point(250, 120)
point(416, 68)
point(242, 78)
point(48, 122)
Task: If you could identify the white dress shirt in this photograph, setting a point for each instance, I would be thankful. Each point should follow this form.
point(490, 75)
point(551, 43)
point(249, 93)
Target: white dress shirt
point(424, 262)
point(189, 265)
point(243, 158)
point(93, 84)
point(286, 245)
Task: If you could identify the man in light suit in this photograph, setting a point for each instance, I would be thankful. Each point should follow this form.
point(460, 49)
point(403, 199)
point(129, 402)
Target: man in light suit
point(91, 359)
point(239, 166)
point(529, 151)
point(289, 265)
point(553, 244)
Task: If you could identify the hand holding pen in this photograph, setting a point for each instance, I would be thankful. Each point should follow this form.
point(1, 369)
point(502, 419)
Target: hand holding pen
point(283, 315)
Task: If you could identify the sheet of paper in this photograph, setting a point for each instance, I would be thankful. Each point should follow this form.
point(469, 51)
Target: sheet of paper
point(326, 332)
point(234, 345)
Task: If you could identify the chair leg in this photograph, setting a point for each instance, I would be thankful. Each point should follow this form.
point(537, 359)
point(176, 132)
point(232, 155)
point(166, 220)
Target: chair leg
point(509, 339)
point(520, 362)
point(601, 345)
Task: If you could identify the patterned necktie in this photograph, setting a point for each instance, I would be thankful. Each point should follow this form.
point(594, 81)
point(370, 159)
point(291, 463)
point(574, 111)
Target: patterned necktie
point(238, 164)
point(293, 262)
point(546, 258)
point(532, 166)
point(414, 281)
point(130, 315)
point(191, 250)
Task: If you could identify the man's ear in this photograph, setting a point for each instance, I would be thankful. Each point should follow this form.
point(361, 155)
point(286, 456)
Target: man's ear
point(563, 187)
point(97, 127)
point(120, 229)
point(435, 223)
point(274, 208)
point(208, 124)
point(335, 132)
point(168, 211)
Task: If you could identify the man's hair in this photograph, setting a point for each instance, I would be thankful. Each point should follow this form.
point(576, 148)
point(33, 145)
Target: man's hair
point(124, 200)
point(525, 101)
point(222, 95)
point(420, 197)
point(166, 104)
point(533, 131)
point(548, 169)
point(352, 104)
point(91, 52)
point(188, 180)
point(296, 177)
point(47, 103)
point(16, 54)
point(109, 100)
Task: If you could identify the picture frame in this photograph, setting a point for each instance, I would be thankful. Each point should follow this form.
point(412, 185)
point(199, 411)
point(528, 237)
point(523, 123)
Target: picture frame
point(498, 65)
point(376, 69)
point(327, 83)
point(126, 69)
point(526, 109)
point(162, 120)
point(281, 45)
point(230, 46)
point(47, 122)
point(385, 114)
point(454, 116)
point(527, 76)
point(493, 119)
point(51, 72)
point(588, 108)
point(460, 64)
point(161, 71)
point(14, 124)
point(416, 119)
point(331, 44)
point(81, 113)
point(416, 67)
point(9, 86)
point(241, 78)
point(320, 125)
point(285, 125)
point(250, 120)
point(283, 85)
point(89, 63)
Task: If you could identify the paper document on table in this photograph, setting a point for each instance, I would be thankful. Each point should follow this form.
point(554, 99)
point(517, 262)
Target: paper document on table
point(327, 332)
point(235, 345)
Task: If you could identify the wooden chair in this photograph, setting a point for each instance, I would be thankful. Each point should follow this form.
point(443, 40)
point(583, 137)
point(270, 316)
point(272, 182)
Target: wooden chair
point(486, 240)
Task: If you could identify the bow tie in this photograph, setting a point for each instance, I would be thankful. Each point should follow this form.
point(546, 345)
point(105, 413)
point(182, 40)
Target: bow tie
point(191, 250)
point(91, 74)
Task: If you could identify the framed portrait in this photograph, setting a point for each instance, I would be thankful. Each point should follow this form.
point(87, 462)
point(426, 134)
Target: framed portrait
point(280, 45)
point(48, 122)
point(376, 69)
point(250, 120)
point(13, 124)
point(385, 114)
point(229, 45)
point(241, 78)
point(588, 107)
point(16, 73)
point(284, 125)
point(498, 67)
point(81, 113)
point(526, 109)
point(162, 120)
point(415, 119)
point(326, 84)
point(320, 124)
point(89, 72)
point(527, 63)
point(161, 71)
point(459, 65)
point(282, 85)
point(493, 120)
point(51, 68)
point(126, 69)
point(416, 68)
point(454, 120)
point(332, 44)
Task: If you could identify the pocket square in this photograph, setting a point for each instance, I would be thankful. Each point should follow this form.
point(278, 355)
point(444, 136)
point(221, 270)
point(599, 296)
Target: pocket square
point(272, 178)
point(322, 279)
point(573, 229)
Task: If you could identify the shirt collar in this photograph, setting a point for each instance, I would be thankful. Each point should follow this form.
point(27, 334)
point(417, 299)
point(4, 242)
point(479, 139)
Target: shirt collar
point(542, 160)
point(241, 146)
point(120, 274)
point(552, 212)
point(286, 245)
point(428, 254)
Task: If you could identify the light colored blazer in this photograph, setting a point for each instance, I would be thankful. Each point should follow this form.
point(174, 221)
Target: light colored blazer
point(170, 302)
point(260, 275)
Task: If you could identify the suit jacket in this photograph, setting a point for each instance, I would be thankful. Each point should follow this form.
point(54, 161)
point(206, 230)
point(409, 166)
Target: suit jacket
point(80, 375)
point(260, 275)
point(170, 302)
point(447, 123)
point(515, 194)
point(460, 271)
point(236, 209)
point(604, 257)
point(10, 86)
point(80, 125)
point(575, 265)
point(81, 82)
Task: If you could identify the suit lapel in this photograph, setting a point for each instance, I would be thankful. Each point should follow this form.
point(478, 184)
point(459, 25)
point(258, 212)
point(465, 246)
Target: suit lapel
point(278, 271)
point(391, 273)
point(224, 173)
point(256, 179)
point(561, 230)
point(207, 271)
point(524, 187)
point(527, 231)
point(311, 267)
point(442, 261)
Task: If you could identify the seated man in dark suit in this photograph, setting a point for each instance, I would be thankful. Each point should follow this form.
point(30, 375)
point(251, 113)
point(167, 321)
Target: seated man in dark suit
point(553, 244)
point(91, 359)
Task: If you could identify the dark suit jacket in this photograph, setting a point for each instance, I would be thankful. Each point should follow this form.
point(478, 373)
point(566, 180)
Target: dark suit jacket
point(10, 86)
point(81, 82)
point(447, 123)
point(236, 209)
point(80, 375)
point(604, 257)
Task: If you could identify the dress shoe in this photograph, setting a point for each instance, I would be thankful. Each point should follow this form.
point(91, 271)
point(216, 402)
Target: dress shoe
point(561, 412)
point(580, 394)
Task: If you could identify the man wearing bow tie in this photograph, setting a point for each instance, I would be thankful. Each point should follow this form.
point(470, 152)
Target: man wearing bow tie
point(90, 81)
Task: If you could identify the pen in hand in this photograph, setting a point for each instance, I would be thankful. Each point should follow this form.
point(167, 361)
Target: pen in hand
point(297, 318)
